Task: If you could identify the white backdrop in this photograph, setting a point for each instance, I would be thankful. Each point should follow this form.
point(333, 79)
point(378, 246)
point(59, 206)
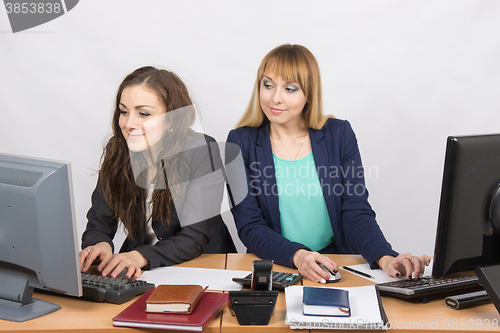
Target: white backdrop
point(406, 74)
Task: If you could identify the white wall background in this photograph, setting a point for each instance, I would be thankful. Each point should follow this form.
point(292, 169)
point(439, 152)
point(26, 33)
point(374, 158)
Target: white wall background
point(406, 74)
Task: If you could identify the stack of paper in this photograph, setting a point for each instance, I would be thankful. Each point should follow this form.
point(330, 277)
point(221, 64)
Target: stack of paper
point(366, 311)
point(215, 279)
point(377, 275)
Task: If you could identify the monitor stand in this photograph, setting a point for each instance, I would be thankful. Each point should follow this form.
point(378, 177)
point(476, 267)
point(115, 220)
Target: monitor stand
point(16, 298)
point(16, 311)
point(490, 279)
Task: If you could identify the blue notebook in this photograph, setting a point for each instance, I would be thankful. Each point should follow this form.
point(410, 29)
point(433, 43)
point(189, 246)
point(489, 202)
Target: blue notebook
point(325, 302)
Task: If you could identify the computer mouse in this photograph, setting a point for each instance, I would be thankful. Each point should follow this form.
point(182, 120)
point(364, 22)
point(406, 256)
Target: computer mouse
point(334, 276)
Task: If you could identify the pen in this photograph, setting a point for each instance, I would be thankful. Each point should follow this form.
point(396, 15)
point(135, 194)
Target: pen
point(357, 272)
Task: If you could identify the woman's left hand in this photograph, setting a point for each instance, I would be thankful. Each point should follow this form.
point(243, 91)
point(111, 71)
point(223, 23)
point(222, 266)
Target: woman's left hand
point(405, 265)
point(133, 261)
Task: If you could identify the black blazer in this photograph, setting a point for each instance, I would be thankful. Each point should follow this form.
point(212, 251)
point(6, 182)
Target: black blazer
point(176, 243)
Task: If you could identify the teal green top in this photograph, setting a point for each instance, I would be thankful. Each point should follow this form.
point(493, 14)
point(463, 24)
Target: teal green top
point(303, 212)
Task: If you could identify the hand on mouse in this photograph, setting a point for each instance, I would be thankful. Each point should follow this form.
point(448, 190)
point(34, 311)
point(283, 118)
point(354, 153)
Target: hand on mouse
point(307, 262)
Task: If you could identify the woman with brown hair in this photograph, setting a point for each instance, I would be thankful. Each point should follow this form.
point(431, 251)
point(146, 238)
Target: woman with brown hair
point(158, 178)
point(304, 176)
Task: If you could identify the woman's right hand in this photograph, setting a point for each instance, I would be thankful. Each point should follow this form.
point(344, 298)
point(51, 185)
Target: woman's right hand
point(101, 250)
point(307, 262)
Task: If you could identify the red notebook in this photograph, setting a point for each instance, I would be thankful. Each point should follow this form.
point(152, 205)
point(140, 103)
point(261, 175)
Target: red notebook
point(208, 307)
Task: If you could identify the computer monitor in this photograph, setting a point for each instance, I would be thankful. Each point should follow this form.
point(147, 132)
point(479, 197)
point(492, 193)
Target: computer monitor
point(38, 241)
point(468, 231)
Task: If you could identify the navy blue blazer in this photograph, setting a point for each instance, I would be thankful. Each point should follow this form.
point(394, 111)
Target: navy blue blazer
point(341, 176)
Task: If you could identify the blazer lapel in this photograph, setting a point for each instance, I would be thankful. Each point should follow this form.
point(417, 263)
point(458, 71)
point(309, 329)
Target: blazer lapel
point(265, 164)
point(320, 152)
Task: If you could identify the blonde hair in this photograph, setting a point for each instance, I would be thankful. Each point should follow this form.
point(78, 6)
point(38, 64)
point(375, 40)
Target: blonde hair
point(293, 63)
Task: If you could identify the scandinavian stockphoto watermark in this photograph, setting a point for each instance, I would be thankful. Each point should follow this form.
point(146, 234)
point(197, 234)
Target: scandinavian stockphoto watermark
point(349, 180)
point(446, 324)
point(26, 14)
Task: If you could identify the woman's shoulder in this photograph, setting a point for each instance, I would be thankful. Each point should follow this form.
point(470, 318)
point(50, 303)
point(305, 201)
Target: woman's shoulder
point(336, 127)
point(244, 138)
point(335, 123)
point(199, 147)
point(244, 134)
point(246, 130)
point(196, 139)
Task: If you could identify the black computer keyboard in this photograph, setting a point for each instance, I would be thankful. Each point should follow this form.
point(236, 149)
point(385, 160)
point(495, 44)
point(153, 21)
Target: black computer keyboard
point(426, 286)
point(112, 290)
point(280, 280)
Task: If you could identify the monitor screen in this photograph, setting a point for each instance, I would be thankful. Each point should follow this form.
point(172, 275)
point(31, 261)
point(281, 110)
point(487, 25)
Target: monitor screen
point(38, 241)
point(468, 232)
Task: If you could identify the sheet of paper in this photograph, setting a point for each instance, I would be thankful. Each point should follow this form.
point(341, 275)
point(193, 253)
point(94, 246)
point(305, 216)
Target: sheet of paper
point(365, 311)
point(381, 276)
point(215, 279)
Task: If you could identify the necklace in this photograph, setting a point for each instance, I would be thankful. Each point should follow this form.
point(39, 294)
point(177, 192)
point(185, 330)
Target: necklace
point(279, 152)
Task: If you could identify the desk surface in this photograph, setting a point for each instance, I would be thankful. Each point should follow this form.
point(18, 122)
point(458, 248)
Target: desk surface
point(81, 315)
point(78, 315)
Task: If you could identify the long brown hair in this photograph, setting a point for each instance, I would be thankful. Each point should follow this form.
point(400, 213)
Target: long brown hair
point(125, 197)
point(293, 63)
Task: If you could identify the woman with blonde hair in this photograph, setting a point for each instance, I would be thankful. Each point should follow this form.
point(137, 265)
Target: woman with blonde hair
point(306, 189)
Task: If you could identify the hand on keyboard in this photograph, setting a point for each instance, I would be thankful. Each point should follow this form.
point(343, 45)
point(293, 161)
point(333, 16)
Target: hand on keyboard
point(112, 264)
point(112, 290)
point(404, 265)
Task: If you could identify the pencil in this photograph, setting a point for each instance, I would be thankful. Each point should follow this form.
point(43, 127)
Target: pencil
point(357, 272)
